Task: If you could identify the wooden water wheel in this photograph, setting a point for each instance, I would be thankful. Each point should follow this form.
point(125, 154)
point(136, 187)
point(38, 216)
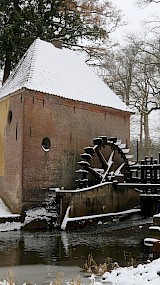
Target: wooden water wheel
point(107, 160)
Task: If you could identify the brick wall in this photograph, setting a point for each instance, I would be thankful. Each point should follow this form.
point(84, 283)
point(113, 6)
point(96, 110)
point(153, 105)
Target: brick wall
point(11, 193)
point(70, 126)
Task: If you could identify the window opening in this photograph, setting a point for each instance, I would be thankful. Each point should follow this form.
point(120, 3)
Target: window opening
point(46, 144)
point(10, 117)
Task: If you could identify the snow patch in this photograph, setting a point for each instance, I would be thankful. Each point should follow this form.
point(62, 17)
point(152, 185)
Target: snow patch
point(10, 226)
point(150, 241)
point(141, 275)
point(5, 212)
point(37, 214)
point(31, 215)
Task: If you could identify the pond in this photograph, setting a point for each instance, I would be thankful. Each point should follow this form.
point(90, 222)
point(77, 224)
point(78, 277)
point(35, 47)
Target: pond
point(32, 253)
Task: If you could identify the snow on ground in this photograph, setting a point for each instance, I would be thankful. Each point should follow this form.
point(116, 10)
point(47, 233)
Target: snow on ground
point(39, 213)
point(143, 274)
point(10, 226)
point(31, 215)
point(5, 212)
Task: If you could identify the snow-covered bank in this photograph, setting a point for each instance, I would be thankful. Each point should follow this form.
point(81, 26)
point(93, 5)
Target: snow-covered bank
point(5, 212)
point(146, 274)
point(11, 223)
point(33, 215)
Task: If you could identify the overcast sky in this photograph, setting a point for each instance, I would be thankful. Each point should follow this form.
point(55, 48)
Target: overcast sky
point(134, 14)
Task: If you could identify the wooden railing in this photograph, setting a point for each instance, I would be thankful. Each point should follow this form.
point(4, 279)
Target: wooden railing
point(145, 172)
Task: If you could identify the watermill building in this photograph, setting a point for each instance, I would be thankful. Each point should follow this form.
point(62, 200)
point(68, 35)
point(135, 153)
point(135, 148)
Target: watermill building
point(51, 107)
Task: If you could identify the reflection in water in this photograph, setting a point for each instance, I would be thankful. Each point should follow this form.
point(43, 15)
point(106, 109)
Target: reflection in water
point(71, 248)
point(65, 242)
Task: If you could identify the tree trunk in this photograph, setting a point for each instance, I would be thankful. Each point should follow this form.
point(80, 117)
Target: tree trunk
point(147, 141)
point(141, 137)
point(7, 68)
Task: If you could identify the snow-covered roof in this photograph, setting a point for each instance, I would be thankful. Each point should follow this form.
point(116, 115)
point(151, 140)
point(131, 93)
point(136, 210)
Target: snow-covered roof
point(60, 72)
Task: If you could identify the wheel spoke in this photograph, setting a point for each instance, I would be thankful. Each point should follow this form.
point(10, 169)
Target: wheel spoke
point(94, 172)
point(118, 170)
point(109, 164)
point(102, 159)
point(107, 169)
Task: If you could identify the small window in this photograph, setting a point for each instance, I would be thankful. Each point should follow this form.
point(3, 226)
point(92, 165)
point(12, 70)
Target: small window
point(10, 117)
point(46, 144)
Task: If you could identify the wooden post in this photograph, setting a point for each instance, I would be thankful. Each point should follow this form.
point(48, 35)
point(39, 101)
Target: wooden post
point(151, 170)
point(155, 171)
point(142, 171)
point(137, 152)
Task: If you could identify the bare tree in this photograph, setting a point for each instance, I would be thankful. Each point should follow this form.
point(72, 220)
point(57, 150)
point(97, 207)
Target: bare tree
point(147, 2)
point(120, 69)
point(133, 73)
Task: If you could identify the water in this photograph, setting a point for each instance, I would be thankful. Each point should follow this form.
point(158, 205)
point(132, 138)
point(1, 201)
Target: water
point(66, 251)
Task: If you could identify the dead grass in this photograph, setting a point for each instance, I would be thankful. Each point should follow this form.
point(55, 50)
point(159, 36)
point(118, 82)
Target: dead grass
point(92, 267)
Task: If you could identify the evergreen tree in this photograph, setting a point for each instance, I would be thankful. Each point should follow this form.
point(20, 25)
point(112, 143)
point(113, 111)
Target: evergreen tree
point(21, 21)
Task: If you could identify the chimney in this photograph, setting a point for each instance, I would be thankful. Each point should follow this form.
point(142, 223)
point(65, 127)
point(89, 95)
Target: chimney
point(57, 43)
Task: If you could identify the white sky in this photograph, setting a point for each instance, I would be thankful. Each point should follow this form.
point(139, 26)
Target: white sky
point(134, 15)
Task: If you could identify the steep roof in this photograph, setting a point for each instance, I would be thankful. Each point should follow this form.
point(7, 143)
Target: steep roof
point(60, 72)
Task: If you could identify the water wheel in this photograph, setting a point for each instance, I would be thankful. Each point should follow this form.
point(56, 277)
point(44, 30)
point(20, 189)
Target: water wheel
point(107, 160)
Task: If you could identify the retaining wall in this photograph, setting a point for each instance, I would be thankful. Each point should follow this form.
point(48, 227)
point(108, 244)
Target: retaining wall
point(99, 199)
